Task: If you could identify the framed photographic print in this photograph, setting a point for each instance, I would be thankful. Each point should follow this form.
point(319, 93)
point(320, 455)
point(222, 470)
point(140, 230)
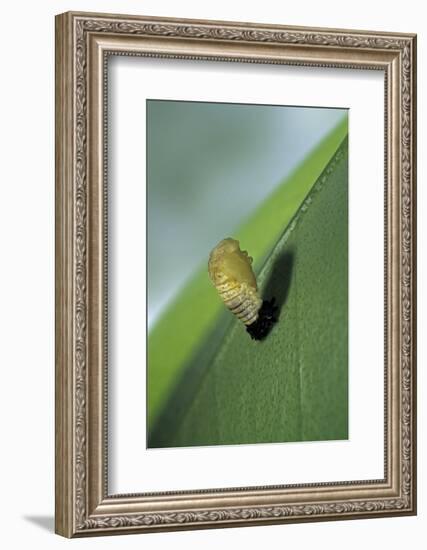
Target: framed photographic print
point(235, 274)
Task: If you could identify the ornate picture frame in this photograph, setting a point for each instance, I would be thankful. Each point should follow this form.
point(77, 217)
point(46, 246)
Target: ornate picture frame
point(84, 506)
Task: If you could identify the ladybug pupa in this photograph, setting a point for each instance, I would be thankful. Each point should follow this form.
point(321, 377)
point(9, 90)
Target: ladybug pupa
point(230, 270)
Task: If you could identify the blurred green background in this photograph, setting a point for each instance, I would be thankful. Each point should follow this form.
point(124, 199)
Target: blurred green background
point(247, 171)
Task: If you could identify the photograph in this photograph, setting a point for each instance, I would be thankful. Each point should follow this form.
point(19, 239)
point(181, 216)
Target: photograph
point(247, 273)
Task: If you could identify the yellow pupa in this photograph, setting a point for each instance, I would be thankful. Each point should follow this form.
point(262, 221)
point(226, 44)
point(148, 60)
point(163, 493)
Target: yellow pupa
point(230, 270)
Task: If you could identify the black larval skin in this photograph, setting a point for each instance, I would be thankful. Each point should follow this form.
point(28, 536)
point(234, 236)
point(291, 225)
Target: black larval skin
point(267, 317)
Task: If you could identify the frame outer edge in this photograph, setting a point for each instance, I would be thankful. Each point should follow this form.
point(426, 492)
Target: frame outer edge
point(64, 237)
point(232, 24)
point(414, 269)
point(73, 512)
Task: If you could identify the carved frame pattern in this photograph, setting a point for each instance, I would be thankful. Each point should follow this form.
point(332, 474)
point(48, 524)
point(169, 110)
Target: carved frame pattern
point(83, 506)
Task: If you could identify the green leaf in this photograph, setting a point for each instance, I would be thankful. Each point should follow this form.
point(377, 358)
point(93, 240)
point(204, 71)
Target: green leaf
point(179, 334)
point(293, 385)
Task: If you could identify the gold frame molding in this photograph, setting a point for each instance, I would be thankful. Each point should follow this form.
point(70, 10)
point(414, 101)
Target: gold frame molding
point(83, 43)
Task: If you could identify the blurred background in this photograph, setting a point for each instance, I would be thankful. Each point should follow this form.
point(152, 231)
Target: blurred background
point(210, 165)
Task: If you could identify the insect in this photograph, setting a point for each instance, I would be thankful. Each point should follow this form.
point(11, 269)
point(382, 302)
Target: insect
point(230, 270)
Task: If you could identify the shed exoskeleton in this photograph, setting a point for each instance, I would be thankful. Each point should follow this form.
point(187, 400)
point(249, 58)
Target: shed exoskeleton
point(230, 270)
